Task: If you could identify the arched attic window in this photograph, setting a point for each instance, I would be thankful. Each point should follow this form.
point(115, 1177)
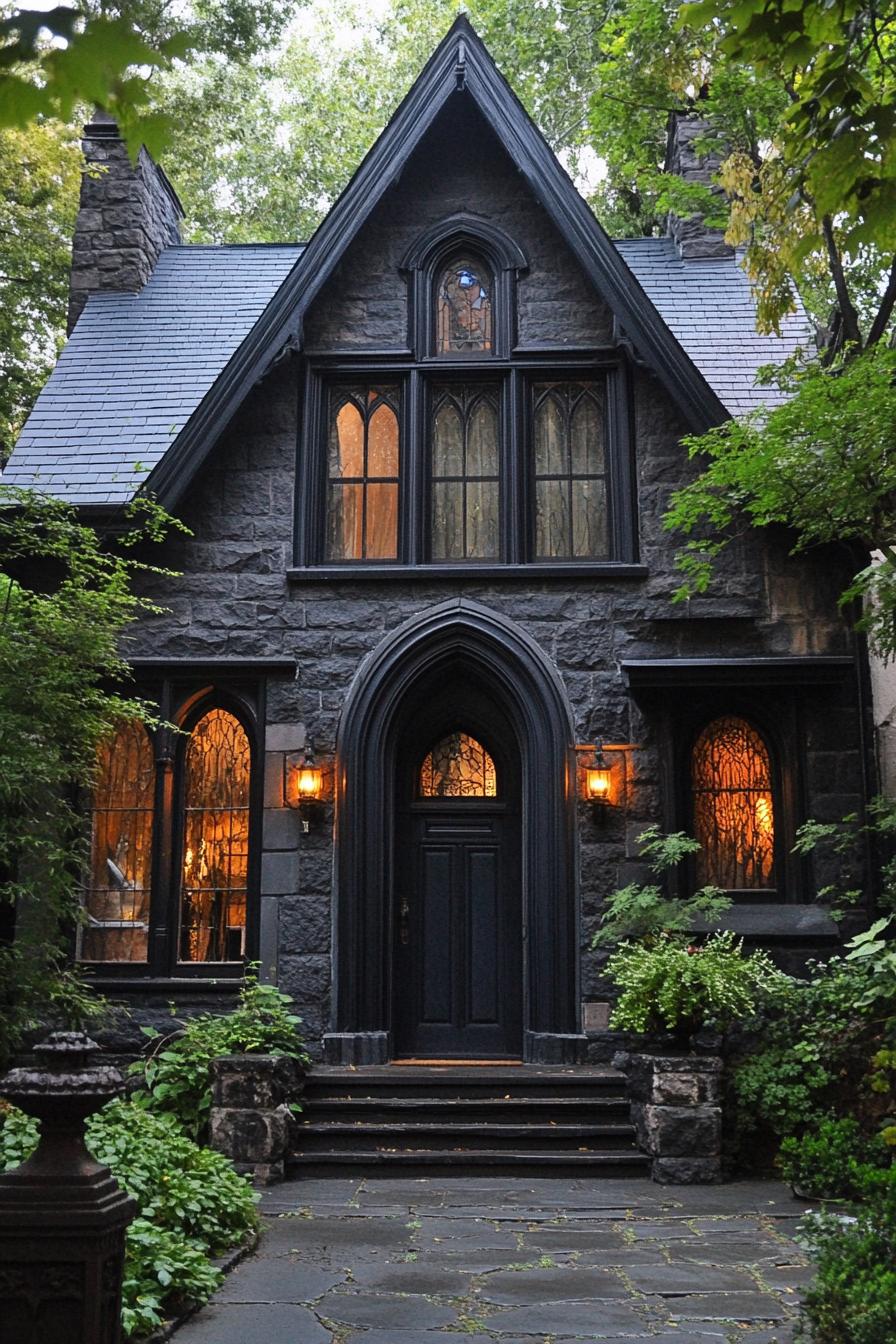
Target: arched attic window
point(734, 810)
point(463, 308)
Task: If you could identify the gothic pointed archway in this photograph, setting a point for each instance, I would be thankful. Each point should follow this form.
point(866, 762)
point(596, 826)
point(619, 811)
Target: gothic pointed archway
point(453, 644)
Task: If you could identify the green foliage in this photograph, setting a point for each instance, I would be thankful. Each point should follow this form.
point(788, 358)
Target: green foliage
point(176, 1074)
point(65, 601)
point(817, 1053)
point(646, 911)
point(681, 988)
point(825, 1162)
point(192, 1205)
point(821, 463)
point(853, 1297)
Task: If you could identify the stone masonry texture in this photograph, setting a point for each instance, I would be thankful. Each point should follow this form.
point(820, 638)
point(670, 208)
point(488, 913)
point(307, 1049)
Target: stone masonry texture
point(234, 599)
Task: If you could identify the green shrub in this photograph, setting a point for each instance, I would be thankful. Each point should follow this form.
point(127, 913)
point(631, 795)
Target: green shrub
point(176, 1075)
point(853, 1298)
point(682, 987)
point(826, 1162)
point(191, 1205)
point(647, 911)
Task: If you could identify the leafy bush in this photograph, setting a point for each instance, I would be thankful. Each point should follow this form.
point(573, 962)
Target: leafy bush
point(827, 1162)
point(177, 1073)
point(817, 1049)
point(853, 1298)
point(647, 912)
point(191, 1205)
point(683, 987)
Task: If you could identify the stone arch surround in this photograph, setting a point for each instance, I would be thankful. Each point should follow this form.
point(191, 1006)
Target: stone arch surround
point(454, 635)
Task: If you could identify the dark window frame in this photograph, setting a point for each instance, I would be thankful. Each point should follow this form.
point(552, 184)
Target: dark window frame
point(183, 702)
point(778, 731)
point(515, 368)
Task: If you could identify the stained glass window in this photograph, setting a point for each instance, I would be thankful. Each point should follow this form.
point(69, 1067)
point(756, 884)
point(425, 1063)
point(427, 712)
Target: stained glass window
point(116, 903)
point(570, 472)
point(215, 840)
point(362, 493)
point(464, 471)
point(733, 806)
point(464, 309)
point(458, 767)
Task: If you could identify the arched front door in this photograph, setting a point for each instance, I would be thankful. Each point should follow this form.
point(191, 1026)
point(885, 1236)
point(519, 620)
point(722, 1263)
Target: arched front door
point(457, 919)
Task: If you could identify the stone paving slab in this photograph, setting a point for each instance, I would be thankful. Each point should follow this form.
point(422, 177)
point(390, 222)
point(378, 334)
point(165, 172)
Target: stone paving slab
point(530, 1262)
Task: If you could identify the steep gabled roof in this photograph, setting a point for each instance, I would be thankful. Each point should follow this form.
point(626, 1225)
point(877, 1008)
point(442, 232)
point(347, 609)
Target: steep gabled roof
point(708, 307)
point(137, 366)
point(155, 377)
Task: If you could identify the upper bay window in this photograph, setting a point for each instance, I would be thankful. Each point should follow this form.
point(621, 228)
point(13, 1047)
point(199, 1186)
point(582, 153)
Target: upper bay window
point(471, 451)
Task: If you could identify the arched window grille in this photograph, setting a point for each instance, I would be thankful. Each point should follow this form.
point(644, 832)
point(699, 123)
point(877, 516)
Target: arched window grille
point(215, 853)
point(117, 897)
point(463, 308)
point(734, 812)
point(458, 767)
point(363, 473)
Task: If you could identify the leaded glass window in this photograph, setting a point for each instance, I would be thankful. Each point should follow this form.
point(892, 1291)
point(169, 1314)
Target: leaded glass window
point(116, 901)
point(458, 767)
point(570, 472)
point(734, 817)
point(363, 467)
point(464, 309)
point(215, 840)
point(464, 472)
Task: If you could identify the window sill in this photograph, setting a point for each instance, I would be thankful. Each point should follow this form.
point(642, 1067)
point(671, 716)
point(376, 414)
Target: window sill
point(603, 569)
point(158, 984)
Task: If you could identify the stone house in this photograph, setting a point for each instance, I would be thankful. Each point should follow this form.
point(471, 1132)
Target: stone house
point(430, 680)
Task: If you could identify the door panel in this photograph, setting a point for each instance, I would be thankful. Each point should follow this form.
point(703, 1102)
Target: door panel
point(457, 990)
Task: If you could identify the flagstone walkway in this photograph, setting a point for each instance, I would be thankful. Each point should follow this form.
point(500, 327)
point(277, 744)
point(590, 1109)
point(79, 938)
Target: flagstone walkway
point(438, 1261)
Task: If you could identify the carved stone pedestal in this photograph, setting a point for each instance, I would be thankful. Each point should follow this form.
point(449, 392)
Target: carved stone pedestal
point(250, 1121)
point(677, 1113)
point(62, 1215)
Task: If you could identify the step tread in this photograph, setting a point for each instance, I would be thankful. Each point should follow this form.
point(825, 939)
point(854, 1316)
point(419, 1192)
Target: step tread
point(513, 1157)
point(313, 1126)
point(474, 1103)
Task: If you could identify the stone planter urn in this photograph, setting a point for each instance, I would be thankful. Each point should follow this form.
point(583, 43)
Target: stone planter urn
point(63, 1217)
point(251, 1121)
point(676, 1105)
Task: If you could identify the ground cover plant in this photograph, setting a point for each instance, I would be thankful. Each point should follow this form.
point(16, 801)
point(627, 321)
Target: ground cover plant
point(192, 1206)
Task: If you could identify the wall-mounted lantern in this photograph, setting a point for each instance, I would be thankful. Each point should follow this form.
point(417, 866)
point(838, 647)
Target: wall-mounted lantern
point(303, 783)
point(603, 780)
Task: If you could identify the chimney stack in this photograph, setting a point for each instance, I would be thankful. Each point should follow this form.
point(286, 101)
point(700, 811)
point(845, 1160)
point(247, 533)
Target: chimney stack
point(691, 236)
point(128, 213)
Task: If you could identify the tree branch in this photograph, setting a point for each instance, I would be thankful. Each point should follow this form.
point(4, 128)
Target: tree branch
point(879, 325)
point(848, 315)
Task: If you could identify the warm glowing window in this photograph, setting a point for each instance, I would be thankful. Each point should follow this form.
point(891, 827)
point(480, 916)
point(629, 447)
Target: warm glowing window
point(458, 767)
point(116, 903)
point(733, 807)
point(570, 472)
point(216, 840)
point(464, 309)
point(362, 490)
point(464, 472)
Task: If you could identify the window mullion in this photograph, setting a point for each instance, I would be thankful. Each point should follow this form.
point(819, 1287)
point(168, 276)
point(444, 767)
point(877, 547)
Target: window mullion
point(412, 464)
point(513, 489)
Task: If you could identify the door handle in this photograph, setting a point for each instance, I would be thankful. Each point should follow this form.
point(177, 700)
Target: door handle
point(404, 929)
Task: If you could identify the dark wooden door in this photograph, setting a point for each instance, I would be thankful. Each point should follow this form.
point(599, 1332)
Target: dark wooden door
point(458, 956)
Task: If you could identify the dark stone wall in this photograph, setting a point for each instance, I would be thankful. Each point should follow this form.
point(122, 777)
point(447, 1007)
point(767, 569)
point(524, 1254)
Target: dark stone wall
point(459, 167)
point(234, 599)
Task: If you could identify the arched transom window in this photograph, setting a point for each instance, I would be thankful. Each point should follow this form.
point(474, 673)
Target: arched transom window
point(116, 904)
point(734, 817)
point(458, 767)
point(464, 309)
point(216, 840)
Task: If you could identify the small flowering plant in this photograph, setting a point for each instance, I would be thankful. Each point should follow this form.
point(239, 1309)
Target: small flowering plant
point(679, 986)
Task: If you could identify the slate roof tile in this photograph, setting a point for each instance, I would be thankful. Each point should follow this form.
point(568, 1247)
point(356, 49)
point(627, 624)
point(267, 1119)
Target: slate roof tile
point(137, 366)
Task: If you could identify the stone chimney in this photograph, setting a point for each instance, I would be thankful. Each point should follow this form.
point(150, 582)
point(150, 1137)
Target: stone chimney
point(691, 236)
point(128, 213)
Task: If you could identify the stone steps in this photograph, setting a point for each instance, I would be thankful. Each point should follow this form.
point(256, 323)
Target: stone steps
point(447, 1119)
